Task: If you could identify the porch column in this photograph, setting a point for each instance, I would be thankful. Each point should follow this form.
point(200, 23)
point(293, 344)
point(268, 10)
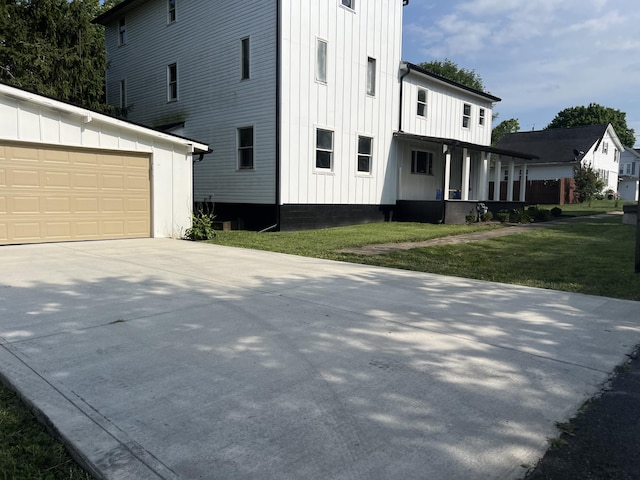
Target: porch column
point(512, 173)
point(466, 171)
point(497, 175)
point(447, 172)
point(483, 194)
point(523, 183)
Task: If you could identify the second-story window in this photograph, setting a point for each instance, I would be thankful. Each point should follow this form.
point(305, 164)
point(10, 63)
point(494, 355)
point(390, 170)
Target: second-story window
point(171, 11)
point(605, 147)
point(371, 76)
point(245, 148)
point(349, 4)
point(321, 61)
point(246, 58)
point(481, 117)
point(466, 115)
point(324, 149)
point(172, 82)
point(122, 31)
point(422, 103)
point(123, 94)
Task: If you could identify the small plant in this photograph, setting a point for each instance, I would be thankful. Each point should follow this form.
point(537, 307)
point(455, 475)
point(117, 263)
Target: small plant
point(539, 214)
point(470, 217)
point(486, 216)
point(503, 216)
point(555, 443)
point(556, 212)
point(202, 226)
point(518, 215)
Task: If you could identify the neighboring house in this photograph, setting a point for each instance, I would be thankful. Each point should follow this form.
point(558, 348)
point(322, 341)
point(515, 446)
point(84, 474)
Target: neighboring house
point(68, 173)
point(560, 149)
point(312, 116)
point(628, 174)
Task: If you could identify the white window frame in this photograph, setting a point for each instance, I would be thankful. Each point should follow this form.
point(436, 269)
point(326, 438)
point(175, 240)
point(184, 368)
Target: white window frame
point(324, 150)
point(371, 76)
point(482, 115)
point(466, 117)
point(245, 58)
point(122, 31)
point(363, 155)
point(605, 148)
point(321, 68)
point(350, 4)
point(172, 84)
point(422, 105)
point(172, 12)
point(242, 149)
point(428, 170)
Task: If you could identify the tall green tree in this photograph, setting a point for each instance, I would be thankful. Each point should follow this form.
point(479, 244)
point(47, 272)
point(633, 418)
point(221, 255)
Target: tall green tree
point(449, 69)
point(503, 128)
point(51, 47)
point(588, 182)
point(595, 114)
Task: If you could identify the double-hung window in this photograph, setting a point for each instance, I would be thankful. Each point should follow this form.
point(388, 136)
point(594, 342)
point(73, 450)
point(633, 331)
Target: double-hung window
point(245, 148)
point(371, 76)
point(321, 61)
point(481, 117)
point(349, 4)
point(421, 162)
point(466, 115)
point(422, 103)
point(171, 11)
point(365, 152)
point(122, 31)
point(245, 58)
point(172, 82)
point(324, 149)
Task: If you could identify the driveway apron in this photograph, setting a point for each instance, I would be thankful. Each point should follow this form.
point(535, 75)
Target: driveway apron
point(165, 359)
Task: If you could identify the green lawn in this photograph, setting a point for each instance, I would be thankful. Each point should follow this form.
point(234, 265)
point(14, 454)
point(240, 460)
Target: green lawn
point(584, 209)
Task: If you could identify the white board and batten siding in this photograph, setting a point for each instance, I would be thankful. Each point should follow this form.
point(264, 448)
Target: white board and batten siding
point(341, 104)
point(213, 101)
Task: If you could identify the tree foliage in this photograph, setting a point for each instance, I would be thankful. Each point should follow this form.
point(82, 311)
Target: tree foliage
point(595, 114)
point(503, 128)
point(51, 47)
point(448, 69)
point(588, 182)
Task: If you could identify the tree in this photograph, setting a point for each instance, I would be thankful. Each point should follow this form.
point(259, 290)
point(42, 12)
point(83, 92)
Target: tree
point(596, 114)
point(51, 47)
point(588, 182)
point(450, 70)
point(503, 128)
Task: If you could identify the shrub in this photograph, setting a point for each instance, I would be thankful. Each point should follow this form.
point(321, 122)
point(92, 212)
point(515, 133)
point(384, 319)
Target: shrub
point(539, 214)
point(503, 216)
point(470, 217)
point(487, 216)
point(202, 226)
point(556, 211)
point(518, 215)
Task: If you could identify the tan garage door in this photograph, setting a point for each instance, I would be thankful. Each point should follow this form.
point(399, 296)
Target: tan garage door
point(61, 194)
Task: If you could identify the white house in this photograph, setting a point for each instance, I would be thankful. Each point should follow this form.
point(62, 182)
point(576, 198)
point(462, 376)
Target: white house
point(312, 116)
point(629, 171)
point(68, 173)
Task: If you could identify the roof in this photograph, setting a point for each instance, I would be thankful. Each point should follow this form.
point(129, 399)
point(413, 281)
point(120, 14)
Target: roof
point(415, 68)
point(555, 145)
point(458, 143)
point(90, 115)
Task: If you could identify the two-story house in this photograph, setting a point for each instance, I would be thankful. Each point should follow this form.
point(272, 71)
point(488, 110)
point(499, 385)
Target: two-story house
point(628, 175)
point(312, 117)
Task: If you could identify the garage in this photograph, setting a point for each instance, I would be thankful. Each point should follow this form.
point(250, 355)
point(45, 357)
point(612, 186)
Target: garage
point(69, 174)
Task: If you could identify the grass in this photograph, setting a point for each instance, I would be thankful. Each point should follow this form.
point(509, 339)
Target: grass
point(584, 209)
point(27, 452)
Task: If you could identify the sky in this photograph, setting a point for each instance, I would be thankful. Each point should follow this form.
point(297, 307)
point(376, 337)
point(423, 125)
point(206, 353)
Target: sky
point(538, 56)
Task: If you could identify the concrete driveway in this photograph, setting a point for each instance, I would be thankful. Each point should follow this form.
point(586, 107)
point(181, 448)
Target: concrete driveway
point(169, 359)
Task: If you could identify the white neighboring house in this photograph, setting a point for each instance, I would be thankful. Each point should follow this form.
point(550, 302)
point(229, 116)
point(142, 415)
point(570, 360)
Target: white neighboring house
point(628, 175)
point(312, 116)
point(68, 173)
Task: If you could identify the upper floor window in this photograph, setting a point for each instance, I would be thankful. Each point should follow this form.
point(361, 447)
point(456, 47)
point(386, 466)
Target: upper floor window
point(481, 117)
point(422, 162)
point(172, 82)
point(466, 115)
point(122, 31)
point(605, 147)
point(349, 4)
point(321, 61)
point(245, 148)
point(365, 152)
point(371, 76)
point(171, 11)
point(123, 94)
point(422, 103)
point(246, 58)
point(324, 149)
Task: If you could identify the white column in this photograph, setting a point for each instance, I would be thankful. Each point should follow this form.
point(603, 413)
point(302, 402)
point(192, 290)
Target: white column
point(466, 173)
point(447, 173)
point(512, 174)
point(483, 194)
point(523, 183)
point(497, 175)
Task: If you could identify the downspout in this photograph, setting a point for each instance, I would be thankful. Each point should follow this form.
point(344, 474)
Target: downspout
point(278, 109)
point(403, 65)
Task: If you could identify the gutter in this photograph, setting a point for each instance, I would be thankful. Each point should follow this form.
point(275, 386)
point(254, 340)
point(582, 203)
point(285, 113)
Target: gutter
point(402, 67)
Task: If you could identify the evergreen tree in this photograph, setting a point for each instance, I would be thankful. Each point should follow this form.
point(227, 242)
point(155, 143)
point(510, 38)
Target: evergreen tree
point(588, 182)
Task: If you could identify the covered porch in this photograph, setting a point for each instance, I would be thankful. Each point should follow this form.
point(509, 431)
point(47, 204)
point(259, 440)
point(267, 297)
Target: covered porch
point(442, 180)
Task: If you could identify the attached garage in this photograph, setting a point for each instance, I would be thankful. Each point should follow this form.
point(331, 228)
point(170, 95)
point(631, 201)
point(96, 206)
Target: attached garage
point(70, 174)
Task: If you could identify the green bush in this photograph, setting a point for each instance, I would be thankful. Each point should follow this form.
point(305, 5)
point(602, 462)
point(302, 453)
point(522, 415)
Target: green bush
point(470, 217)
point(487, 216)
point(518, 215)
point(202, 226)
point(539, 214)
point(503, 216)
point(556, 211)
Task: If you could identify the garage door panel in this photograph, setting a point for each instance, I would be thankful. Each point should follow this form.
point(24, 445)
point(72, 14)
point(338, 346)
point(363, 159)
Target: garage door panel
point(56, 195)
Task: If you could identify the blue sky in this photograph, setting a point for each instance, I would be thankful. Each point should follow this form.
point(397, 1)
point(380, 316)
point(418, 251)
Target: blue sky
point(539, 56)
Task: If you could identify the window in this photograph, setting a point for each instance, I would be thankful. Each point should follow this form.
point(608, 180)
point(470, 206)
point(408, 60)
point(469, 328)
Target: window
point(364, 154)
point(605, 147)
point(123, 94)
point(422, 103)
point(171, 11)
point(324, 149)
point(122, 31)
point(349, 4)
point(245, 148)
point(481, 117)
point(466, 115)
point(371, 76)
point(246, 58)
point(321, 61)
point(422, 162)
point(172, 82)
